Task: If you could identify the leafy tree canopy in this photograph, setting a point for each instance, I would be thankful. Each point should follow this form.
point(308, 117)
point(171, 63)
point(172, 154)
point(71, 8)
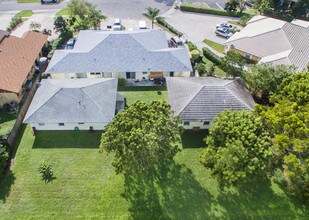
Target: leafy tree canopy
point(237, 147)
point(142, 137)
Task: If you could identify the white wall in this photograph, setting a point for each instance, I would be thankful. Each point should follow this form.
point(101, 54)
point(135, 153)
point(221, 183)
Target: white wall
point(69, 126)
point(196, 124)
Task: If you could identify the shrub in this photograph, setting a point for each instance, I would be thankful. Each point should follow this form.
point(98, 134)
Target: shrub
point(204, 10)
point(244, 19)
point(46, 171)
point(121, 82)
point(16, 20)
point(162, 22)
point(4, 156)
point(191, 46)
point(211, 56)
point(63, 37)
point(195, 54)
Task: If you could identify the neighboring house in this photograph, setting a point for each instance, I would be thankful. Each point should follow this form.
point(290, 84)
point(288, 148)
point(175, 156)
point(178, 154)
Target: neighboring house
point(197, 100)
point(139, 54)
point(74, 104)
point(268, 40)
point(17, 63)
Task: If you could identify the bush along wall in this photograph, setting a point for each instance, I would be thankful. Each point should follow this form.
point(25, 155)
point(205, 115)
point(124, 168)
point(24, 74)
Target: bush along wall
point(162, 22)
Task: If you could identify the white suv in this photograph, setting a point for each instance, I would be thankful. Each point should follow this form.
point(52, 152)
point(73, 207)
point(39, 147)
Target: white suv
point(117, 25)
point(223, 33)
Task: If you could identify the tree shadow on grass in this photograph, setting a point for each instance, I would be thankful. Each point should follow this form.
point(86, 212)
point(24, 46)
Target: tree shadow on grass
point(257, 200)
point(172, 193)
point(67, 139)
point(5, 185)
point(193, 139)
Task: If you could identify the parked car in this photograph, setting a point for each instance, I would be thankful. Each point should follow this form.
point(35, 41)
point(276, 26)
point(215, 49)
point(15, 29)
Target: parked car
point(48, 1)
point(117, 25)
point(70, 43)
point(223, 32)
point(176, 42)
point(142, 25)
point(249, 3)
point(225, 26)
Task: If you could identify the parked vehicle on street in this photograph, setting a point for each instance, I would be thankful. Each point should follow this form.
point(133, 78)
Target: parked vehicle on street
point(223, 32)
point(48, 1)
point(70, 43)
point(225, 26)
point(117, 25)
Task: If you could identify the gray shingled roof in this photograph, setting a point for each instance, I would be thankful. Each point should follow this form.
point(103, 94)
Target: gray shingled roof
point(120, 51)
point(73, 100)
point(275, 41)
point(202, 98)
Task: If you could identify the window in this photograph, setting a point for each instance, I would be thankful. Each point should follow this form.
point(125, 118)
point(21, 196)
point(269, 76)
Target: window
point(171, 74)
point(186, 123)
point(206, 123)
point(81, 123)
point(248, 55)
point(41, 124)
point(144, 72)
point(95, 73)
point(61, 124)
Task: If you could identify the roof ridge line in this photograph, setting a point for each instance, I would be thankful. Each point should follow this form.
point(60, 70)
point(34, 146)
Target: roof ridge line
point(237, 96)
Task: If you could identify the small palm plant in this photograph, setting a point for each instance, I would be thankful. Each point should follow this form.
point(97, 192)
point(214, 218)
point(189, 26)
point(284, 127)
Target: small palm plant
point(46, 171)
point(151, 14)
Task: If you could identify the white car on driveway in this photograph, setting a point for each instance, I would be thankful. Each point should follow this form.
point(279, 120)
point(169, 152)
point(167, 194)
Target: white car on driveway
point(223, 32)
point(117, 25)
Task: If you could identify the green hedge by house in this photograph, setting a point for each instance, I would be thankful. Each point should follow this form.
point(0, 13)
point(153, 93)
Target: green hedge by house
point(211, 56)
point(162, 22)
point(16, 20)
point(191, 8)
point(59, 41)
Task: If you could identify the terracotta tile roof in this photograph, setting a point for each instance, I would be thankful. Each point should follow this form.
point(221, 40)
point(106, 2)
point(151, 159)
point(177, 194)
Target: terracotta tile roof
point(17, 56)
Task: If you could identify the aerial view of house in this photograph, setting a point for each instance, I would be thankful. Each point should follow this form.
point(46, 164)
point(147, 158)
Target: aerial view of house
point(121, 54)
point(154, 109)
point(18, 59)
point(74, 104)
point(269, 40)
point(197, 100)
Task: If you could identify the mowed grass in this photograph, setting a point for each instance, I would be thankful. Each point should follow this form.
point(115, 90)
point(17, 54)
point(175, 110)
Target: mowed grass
point(86, 186)
point(65, 11)
point(24, 13)
point(28, 1)
point(7, 122)
point(218, 47)
point(145, 93)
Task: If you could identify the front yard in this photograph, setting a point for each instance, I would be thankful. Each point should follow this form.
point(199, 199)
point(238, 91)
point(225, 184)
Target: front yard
point(7, 122)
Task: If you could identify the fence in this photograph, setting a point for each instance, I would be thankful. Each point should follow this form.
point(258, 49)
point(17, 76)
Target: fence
point(22, 112)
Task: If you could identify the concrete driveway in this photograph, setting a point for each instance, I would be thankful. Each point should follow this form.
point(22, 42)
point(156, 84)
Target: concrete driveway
point(5, 20)
point(197, 27)
point(46, 19)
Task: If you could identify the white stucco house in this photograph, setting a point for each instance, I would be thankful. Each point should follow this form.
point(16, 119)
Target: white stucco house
point(142, 54)
point(74, 104)
point(197, 100)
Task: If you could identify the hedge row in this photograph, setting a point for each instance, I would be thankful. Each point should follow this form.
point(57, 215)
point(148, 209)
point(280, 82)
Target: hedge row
point(162, 22)
point(189, 7)
point(16, 20)
point(211, 56)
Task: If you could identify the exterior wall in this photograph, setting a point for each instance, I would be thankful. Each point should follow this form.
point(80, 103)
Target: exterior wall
point(8, 97)
point(138, 75)
point(69, 126)
point(196, 124)
point(242, 53)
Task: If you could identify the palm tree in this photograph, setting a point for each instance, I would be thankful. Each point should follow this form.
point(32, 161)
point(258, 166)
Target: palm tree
point(151, 14)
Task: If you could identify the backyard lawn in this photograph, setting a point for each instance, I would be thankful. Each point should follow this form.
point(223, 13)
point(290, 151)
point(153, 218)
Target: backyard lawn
point(87, 187)
point(7, 122)
point(218, 47)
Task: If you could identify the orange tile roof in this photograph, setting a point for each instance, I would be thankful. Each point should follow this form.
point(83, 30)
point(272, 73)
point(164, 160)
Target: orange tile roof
point(17, 56)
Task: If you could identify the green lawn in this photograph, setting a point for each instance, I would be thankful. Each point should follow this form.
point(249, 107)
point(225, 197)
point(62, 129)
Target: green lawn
point(218, 47)
point(24, 13)
point(28, 1)
point(145, 93)
point(87, 187)
point(7, 122)
point(65, 11)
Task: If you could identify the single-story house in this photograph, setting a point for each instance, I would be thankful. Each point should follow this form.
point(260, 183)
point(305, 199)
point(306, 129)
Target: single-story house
point(269, 40)
point(141, 54)
point(74, 104)
point(197, 100)
point(17, 63)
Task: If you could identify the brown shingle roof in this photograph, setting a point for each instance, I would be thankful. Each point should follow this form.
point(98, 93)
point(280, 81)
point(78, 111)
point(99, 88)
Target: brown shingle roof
point(17, 56)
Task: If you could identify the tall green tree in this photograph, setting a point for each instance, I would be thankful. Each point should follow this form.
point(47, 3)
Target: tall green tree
point(264, 79)
point(151, 14)
point(238, 147)
point(262, 6)
point(142, 137)
point(288, 123)
point(78, 8)
point(60, 25)
point(4, 156)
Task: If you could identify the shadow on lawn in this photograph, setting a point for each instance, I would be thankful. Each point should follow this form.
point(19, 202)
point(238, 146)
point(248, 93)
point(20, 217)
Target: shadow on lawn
point(67, 139)
point(193, 139)
point(257, 200)
point(5, 185)
point(171, 194)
